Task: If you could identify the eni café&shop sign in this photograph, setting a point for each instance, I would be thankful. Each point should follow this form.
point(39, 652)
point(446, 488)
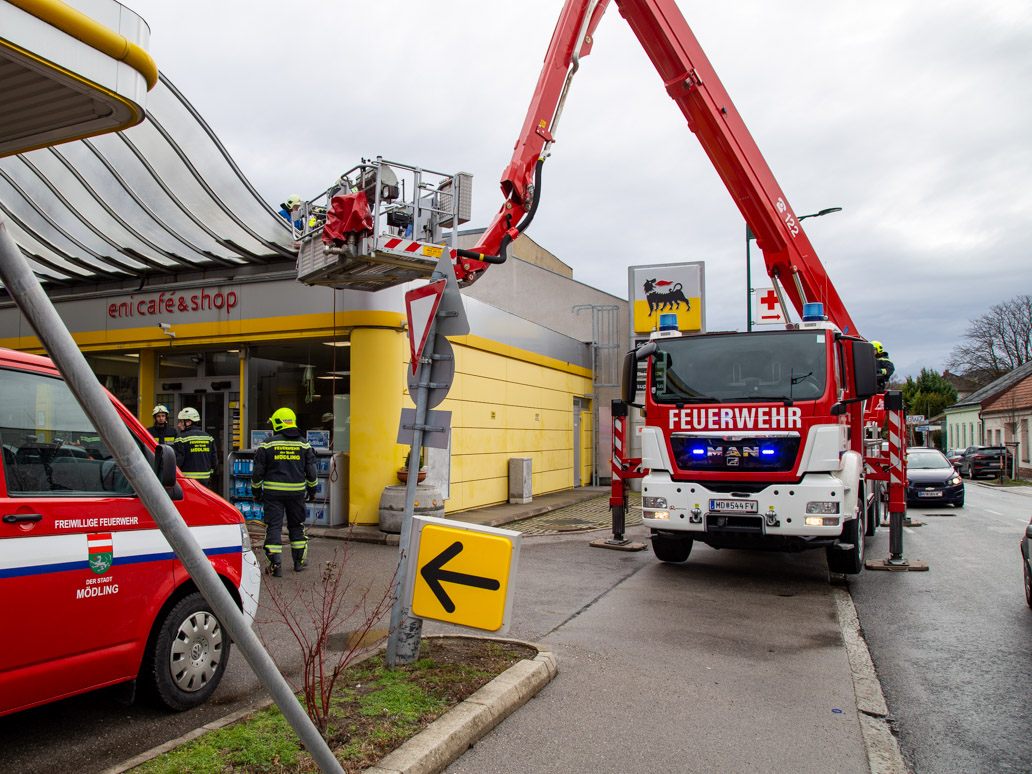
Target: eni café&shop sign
point(165, 303)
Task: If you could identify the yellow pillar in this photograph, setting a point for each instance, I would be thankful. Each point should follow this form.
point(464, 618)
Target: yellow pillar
point(148, 376)
point(378, 358)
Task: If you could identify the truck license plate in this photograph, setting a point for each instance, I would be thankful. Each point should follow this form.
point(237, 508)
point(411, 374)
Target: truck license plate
point(733, 506)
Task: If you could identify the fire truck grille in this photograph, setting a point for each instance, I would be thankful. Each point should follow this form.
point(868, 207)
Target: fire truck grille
point(735, 454)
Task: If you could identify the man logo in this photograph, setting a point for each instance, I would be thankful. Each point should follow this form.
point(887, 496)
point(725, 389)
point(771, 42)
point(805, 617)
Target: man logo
point(101, 552)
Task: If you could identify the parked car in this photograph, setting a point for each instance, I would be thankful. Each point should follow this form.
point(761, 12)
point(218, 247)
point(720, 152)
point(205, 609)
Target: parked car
point(955, 456)
point(985, 460)
point(1026, 562)
point(932, 479)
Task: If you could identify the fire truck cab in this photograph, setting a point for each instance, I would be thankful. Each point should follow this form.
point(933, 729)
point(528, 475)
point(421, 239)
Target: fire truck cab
point(747, 441)
point(91, 592)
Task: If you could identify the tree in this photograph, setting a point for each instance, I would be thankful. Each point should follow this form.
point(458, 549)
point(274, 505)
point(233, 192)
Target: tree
point(929, 394)
point(996, 342)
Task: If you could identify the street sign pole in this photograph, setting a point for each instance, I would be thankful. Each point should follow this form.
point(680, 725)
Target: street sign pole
point(406, 631)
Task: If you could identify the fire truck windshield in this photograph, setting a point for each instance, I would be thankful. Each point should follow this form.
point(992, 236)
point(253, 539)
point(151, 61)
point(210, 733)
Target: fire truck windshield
point(739, 368)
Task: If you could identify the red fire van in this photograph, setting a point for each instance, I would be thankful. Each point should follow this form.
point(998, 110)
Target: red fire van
point(91, 592)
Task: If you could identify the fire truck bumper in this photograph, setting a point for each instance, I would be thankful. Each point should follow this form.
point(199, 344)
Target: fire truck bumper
point(810, 511)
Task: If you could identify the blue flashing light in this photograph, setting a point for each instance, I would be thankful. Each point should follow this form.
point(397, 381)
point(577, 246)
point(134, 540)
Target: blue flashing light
point(813, 312)
point(698, 451)
point(767, 451)
point(668, 322)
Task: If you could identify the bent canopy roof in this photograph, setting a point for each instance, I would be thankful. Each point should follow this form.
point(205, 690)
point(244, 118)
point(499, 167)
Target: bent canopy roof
point(160, 198)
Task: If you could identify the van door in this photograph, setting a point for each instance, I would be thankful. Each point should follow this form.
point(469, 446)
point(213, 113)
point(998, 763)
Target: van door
point(83, 568)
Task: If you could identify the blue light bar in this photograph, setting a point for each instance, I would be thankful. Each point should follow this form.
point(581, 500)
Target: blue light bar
point(668, 322)
point(698, 451)
point(766, 451)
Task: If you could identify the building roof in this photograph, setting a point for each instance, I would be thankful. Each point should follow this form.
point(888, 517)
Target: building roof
point(994, 388)
point(160, 198)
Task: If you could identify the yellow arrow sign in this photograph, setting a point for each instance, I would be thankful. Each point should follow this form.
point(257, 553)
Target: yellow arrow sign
point(462, 573)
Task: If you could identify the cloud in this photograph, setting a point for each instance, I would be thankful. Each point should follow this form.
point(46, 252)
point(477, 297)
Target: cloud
point(910, 117)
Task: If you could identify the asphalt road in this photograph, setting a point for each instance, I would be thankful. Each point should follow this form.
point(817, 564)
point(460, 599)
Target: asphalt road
point(731, 662)
point(951, 646)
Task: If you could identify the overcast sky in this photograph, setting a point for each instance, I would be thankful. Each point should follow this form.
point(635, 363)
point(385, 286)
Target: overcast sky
point(914, 117)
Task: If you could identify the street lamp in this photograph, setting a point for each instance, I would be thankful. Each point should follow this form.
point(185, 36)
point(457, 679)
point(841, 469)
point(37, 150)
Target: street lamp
point(749, 236)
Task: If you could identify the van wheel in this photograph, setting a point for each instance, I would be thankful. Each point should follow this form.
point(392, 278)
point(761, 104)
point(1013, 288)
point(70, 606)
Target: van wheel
point(668, 548)
point(189, 656)
point(850, 562)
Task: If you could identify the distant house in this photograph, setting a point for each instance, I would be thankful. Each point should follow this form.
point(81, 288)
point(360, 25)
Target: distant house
point(961, 384)
point(999, 413)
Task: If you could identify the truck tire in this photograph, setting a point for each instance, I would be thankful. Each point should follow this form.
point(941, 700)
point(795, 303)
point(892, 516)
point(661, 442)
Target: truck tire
point(668, 548)
point(189, 655)
point(874, 514)
point(850, 562)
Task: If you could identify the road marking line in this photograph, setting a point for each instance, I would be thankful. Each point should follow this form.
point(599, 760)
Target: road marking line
point(908, 529)
point(994, 513)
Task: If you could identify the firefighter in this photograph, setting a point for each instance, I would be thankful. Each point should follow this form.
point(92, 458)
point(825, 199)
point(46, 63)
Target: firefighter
point(291, 211)
point(885, 366)
point(195, 449)
point(162, 431)
point(284, 474)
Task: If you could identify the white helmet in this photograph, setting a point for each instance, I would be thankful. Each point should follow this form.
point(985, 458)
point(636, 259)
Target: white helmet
point(190, 414)
point(160, 409)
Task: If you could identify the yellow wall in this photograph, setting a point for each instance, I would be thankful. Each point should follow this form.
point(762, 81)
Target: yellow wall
point(507, 403)
point(378, 358)
point(586, 451)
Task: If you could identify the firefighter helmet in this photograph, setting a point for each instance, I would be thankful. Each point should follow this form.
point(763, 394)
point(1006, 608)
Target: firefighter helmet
point(294, 200)
point(160, 409)
point(283, 417)
point(878, 348)
point(189, 414)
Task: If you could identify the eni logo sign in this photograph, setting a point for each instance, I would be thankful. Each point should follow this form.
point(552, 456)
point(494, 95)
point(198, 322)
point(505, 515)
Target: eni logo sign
point(169, 303)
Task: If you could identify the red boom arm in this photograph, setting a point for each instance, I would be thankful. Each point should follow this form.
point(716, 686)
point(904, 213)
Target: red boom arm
point(692, 83)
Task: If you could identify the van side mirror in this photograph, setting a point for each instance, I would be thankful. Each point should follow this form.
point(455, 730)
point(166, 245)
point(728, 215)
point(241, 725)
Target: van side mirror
point(865, 370)
point(165, 465)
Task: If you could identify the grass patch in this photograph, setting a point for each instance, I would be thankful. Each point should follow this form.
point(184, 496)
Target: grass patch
point(375, 709)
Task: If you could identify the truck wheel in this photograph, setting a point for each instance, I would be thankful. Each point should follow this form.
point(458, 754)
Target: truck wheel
point(849, 562)
point(671, 549)
point(189, 656)
point(874, 514)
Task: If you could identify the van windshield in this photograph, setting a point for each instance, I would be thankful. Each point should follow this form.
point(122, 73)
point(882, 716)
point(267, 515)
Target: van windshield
point(730, 368)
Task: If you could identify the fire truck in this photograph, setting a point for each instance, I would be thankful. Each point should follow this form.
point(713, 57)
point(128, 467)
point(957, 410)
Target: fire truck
point(750, 440)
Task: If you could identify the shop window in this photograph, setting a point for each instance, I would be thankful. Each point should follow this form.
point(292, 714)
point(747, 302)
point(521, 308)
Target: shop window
point(49, 445)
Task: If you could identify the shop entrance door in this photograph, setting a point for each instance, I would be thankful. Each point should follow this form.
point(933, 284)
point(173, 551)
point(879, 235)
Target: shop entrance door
point(211, 397)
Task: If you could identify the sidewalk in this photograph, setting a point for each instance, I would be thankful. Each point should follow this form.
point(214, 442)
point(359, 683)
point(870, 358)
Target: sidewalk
point(489, 516)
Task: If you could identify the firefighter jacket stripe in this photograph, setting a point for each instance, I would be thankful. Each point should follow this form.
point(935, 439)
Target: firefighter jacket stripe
point(60, 553)
point(166, 434)
point(284, 464)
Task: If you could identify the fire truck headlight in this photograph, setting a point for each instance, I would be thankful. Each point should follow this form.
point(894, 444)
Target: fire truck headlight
point(822, 521)
point(656, 514)
point(653, 502)
point(821, 506)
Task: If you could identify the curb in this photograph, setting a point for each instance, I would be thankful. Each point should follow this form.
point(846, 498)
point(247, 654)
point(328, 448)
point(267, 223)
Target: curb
point(441, 742)
point(883, 753)
point(447, 738)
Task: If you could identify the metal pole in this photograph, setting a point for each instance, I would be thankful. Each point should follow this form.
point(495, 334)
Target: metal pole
point(25, 289)
point(406, 631)
point(748, 279)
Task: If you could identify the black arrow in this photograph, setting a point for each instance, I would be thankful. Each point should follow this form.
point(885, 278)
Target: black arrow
point(434, 576)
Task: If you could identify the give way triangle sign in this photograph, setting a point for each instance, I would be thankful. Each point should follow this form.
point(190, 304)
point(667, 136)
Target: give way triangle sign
point(421, 306)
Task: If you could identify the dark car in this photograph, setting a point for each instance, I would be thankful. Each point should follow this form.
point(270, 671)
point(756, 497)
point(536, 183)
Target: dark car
point(1026, 562)
point(955, 456)
point(985, 461)
point(932, 479)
